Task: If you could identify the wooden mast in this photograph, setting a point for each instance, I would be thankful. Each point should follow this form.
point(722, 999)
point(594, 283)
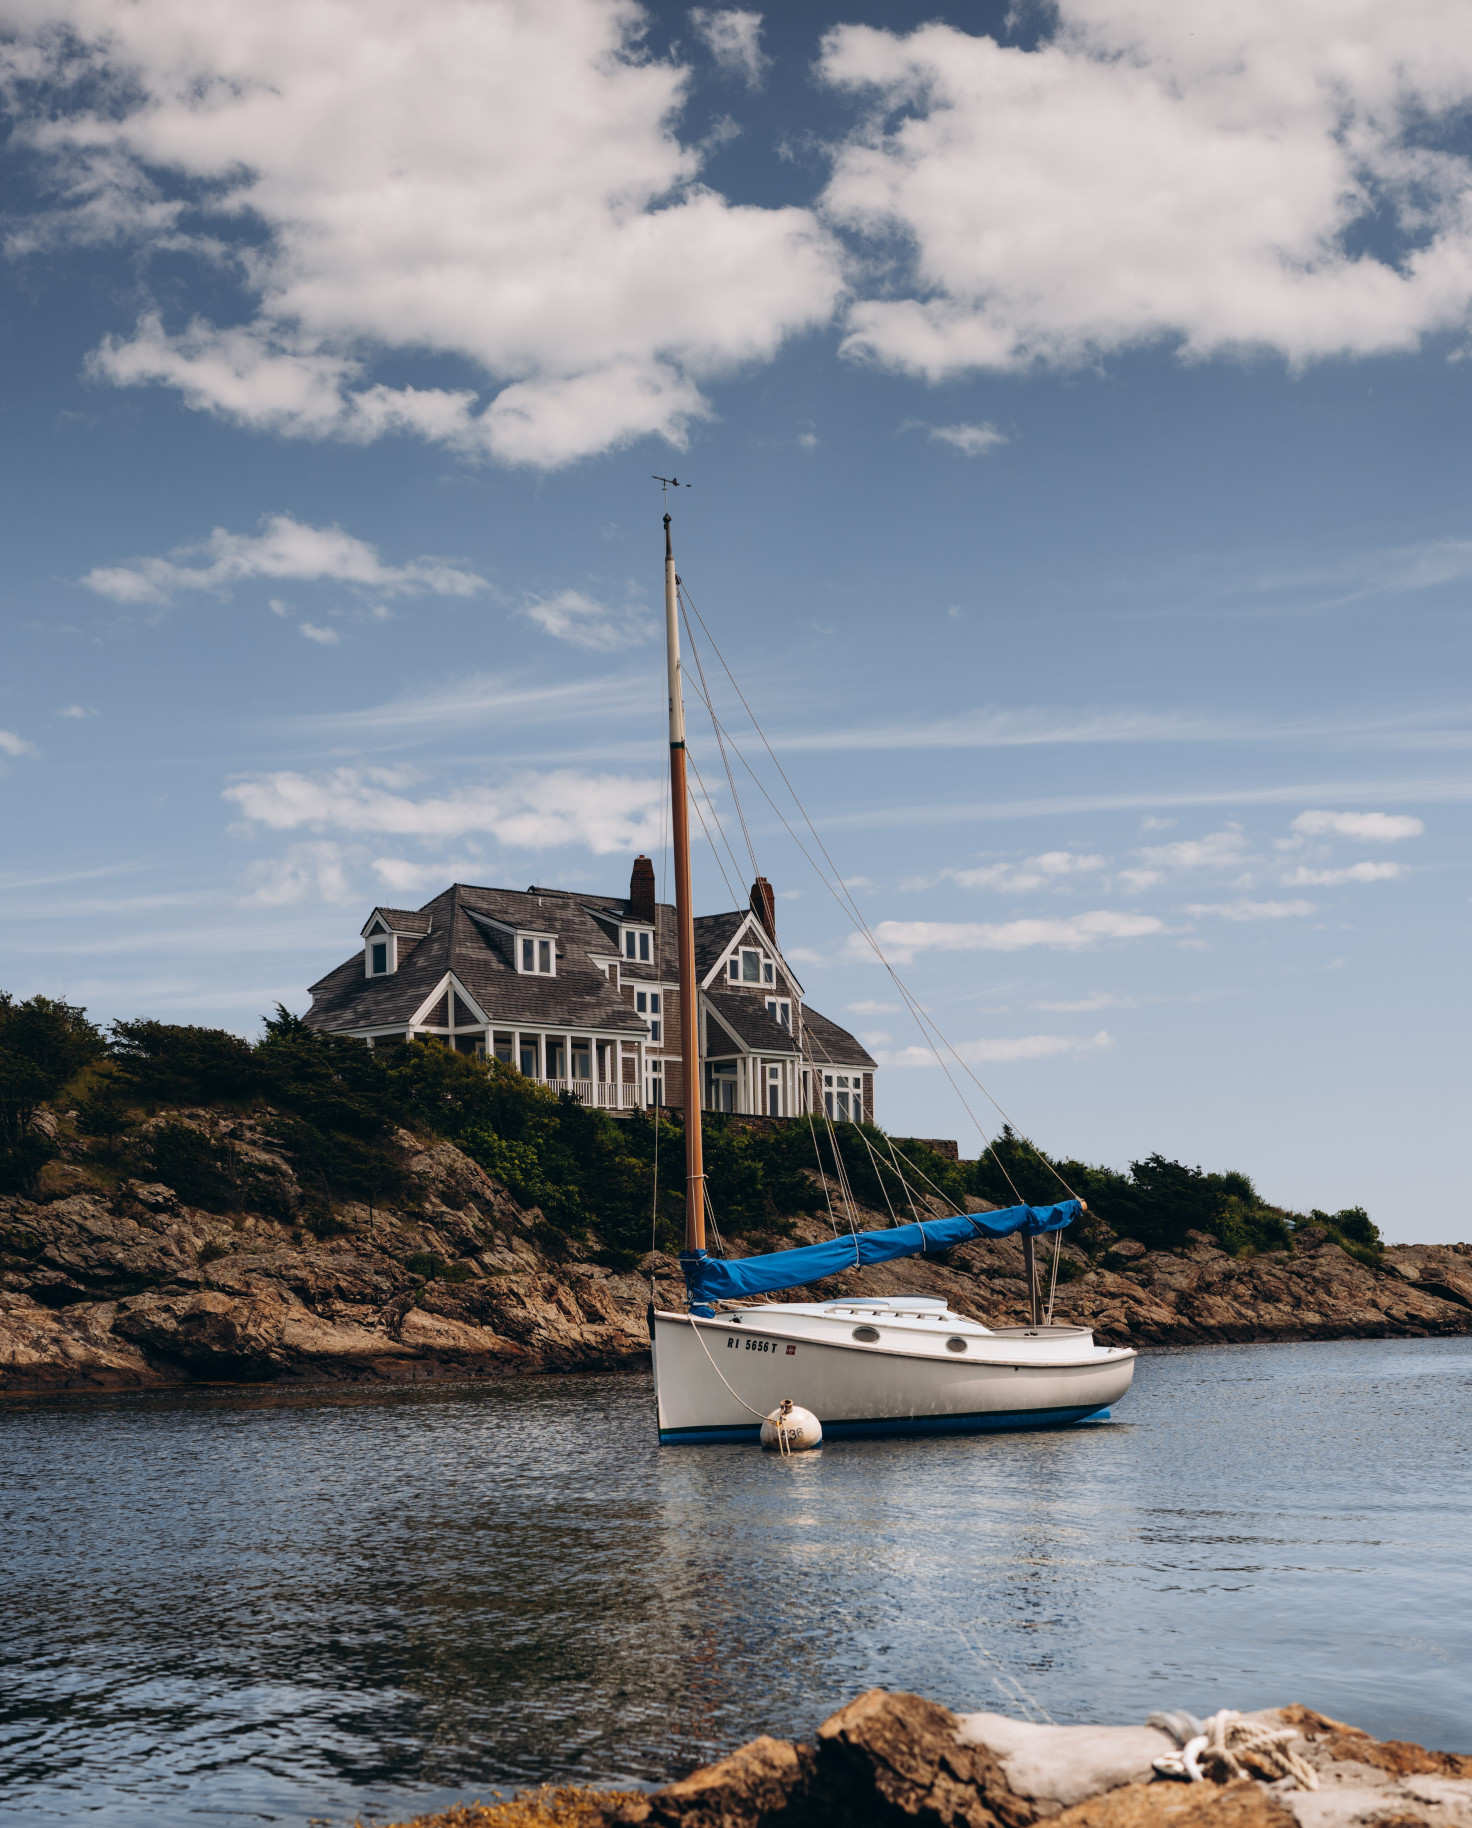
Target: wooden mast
point(684, 915)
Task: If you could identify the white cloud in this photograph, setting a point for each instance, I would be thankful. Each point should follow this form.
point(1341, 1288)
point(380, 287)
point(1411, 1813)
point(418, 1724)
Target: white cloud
point(1032, 873)
point(497, 184)
point(1252, 910)
point(585, 622)
point(1368, 827)
point(324, 637)
point(76, 711)
point(733, 37)
point(1002, 1049)
point(605, 813)
point(11, 744)
point(1098, 999)
point(285, 549)
point(1160, 172)
point(969, 440)
point(1304, 877)
point(404, 877)
point(1225, 849)
point(903, 939)
point(307, 872)
point(870, 1007)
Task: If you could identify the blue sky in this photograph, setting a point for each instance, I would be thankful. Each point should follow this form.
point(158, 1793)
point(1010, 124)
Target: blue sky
point(1077, 407)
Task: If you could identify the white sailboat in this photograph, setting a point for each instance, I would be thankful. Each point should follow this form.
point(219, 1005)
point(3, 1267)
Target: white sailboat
point(890, 1365)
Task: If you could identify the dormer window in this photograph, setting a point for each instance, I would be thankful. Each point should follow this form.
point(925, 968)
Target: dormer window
point(380, 951)
point(638, 944)
point(536, 957)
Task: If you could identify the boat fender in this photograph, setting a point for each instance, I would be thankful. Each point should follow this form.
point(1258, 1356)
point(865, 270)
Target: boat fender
point(790, 1430)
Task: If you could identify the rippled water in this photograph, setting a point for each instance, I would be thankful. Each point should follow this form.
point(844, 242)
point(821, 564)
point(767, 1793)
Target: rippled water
point(249, 1606)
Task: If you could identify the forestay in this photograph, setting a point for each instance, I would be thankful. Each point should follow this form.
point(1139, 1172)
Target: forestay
point(719, 1279)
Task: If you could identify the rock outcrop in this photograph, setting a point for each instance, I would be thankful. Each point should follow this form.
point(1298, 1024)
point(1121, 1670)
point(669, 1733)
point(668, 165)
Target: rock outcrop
point(110, 1283)
point(897, 1761)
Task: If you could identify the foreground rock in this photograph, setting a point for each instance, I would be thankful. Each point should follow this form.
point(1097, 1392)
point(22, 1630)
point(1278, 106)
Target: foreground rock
point(896, 1761)
point(115, 1286)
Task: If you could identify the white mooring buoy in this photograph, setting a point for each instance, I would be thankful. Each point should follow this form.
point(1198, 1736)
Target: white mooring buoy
point(790, 1430)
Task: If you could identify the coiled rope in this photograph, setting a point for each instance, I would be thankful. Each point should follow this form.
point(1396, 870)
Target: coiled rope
point(1226, 1745)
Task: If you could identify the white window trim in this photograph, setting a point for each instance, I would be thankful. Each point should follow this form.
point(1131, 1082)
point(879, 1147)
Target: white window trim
point(538, 940)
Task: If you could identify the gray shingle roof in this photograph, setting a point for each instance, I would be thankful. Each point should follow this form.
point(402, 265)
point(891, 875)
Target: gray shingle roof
point(831, 1045)
point(404, 920)
point(747, 1017)
point(579, 996)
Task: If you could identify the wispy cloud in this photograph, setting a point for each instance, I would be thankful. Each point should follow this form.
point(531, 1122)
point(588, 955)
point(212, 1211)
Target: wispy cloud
point(902, 940)
point(605, 813)
point(11, 744)
point(1368, 827)
point(1446, 789)
point(1252, 910)
point(324, 637)
point(1303, 877)
point(1098, 999)
point(586, 622)
point(405, 877)
point(306, 872)
point(477, 700)
point(1050, 868)
point(286, 548)
point(75, 711)
point(1218, 850)
point(733, 36)
point(969, 440)
point(1000, 1049)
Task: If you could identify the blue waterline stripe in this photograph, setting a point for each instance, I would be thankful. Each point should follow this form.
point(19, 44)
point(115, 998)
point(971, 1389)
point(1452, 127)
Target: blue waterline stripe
point(989, 1422)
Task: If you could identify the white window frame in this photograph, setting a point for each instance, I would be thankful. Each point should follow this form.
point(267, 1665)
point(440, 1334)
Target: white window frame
point(379, 935)
point(544, 954)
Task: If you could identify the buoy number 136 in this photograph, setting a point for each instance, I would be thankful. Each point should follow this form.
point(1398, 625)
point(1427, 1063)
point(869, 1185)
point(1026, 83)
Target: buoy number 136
point(759, 1345)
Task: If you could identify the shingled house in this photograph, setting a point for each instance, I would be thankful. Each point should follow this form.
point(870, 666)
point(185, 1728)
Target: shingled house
point(582, 991)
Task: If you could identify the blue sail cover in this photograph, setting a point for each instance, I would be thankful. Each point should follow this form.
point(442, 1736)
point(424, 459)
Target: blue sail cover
point(719, 1279)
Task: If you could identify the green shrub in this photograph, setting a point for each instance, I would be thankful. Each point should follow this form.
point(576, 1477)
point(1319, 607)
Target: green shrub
point(435, 1269)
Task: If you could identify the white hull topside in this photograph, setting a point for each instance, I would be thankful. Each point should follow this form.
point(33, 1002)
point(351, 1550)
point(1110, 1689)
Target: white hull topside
point(905, 1379)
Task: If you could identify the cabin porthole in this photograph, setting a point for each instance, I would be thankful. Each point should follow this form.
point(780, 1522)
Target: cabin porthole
point(867, 1335)
point(955, 1345)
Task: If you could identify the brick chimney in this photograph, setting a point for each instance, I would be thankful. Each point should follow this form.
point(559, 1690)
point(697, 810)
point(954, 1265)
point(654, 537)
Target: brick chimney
point(641, 890)
point(764, 906)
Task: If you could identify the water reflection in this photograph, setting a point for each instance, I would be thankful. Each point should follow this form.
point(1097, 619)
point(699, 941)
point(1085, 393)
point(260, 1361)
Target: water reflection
point(264, 1606)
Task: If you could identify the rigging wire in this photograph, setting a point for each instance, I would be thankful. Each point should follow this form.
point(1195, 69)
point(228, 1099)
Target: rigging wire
point(714, 851)
point(851, 907)
point(846, 902)
point(720, 743)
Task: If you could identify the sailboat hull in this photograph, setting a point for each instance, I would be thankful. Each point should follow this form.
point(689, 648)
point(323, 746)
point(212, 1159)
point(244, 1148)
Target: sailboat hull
point(711, 1376)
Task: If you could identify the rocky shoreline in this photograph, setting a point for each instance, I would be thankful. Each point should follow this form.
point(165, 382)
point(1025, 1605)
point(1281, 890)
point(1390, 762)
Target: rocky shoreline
point(891, 1759)
point(109, 1283)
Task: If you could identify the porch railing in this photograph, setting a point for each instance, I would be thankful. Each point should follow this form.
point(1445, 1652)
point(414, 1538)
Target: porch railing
point(607, 1094)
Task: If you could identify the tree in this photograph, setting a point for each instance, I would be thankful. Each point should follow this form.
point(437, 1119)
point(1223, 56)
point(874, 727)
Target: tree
point(43, 1043)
